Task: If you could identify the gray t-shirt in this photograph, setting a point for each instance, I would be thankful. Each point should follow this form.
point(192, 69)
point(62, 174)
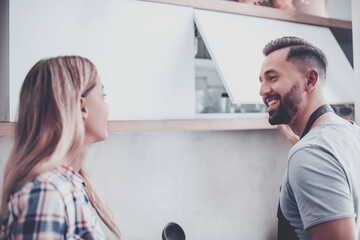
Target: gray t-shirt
point(322, 179)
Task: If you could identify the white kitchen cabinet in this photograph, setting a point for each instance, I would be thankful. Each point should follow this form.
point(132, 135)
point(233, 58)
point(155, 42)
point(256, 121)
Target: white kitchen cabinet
point(143, 51)
point(4, 61)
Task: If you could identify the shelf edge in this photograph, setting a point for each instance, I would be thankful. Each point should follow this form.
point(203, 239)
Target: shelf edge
point(259, 11)
point(7, 129)
point(189, 125)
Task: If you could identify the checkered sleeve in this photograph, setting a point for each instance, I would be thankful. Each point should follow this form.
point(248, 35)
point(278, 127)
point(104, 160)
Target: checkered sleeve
point(41, 214)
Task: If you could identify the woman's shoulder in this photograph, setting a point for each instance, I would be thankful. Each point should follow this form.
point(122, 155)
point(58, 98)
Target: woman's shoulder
point(51, 184)
point(38, 202)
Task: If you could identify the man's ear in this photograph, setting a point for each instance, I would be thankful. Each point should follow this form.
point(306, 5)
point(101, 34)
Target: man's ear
point(83, 107)
point(312, 78)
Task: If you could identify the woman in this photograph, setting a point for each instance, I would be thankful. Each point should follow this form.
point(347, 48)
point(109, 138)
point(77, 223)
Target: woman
point(46, 193)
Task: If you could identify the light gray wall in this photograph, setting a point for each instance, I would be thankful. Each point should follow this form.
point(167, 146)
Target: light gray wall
point(339, 9)
point(5, 145)
point(215, 184)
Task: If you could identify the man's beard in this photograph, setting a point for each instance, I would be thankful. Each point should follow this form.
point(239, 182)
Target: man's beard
point(288, 107)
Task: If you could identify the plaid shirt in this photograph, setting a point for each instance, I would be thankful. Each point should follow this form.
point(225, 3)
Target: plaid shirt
point(52, 206)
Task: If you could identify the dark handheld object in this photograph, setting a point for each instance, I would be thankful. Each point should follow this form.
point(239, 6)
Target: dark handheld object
point(173, 231)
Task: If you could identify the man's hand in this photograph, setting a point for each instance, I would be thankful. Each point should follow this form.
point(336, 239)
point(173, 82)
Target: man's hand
point(287, 133)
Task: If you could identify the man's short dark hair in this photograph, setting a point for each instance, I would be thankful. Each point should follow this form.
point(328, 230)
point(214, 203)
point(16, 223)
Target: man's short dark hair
point(302, 53)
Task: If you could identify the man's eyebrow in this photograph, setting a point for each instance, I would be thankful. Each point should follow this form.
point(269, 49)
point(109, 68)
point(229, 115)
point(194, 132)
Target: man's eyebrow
point(269, 71)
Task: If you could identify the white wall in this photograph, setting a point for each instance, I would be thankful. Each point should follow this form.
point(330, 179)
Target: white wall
point(339, 9)
point(356, 49)
point(215, 184)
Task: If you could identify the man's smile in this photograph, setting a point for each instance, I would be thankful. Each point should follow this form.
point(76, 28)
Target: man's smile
point(271, 100)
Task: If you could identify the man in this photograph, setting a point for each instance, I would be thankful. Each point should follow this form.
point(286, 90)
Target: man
point(320, 194)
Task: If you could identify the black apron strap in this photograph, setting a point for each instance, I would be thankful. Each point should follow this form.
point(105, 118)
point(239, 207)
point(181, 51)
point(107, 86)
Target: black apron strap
point(285, 230)
point(314, 116)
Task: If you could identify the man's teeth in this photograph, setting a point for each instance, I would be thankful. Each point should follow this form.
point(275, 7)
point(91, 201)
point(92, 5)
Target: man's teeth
point(272, 102)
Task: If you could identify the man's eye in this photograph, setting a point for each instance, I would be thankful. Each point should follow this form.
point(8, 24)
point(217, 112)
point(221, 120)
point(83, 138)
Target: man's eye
point(272, 78)
point(104, 95)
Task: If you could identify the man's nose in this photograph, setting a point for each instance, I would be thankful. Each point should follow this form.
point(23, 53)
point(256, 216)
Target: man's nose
point(264, 89)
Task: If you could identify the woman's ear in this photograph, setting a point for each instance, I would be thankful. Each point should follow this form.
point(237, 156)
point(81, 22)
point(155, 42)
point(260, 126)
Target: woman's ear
point(312, 78)
point(83, 107)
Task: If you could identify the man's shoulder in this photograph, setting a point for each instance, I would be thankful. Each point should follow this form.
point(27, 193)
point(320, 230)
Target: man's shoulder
point(332, 145)
point(328, 136)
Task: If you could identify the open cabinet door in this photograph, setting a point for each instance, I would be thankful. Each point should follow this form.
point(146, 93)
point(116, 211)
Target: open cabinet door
point(235, 43)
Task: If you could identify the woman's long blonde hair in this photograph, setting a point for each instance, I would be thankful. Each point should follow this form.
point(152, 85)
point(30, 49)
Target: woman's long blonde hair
point(49, 126)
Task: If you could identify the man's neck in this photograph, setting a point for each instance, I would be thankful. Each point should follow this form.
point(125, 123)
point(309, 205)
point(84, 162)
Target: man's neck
point(301, 119)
